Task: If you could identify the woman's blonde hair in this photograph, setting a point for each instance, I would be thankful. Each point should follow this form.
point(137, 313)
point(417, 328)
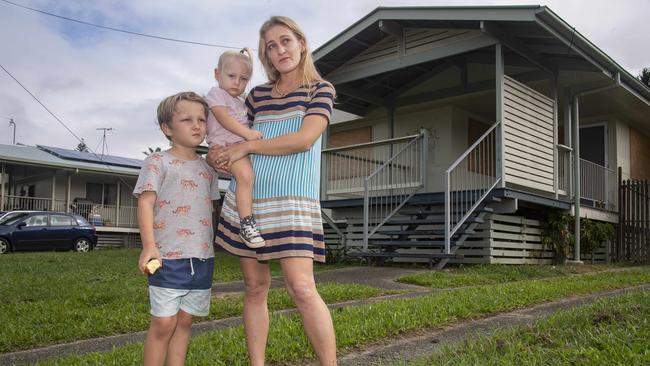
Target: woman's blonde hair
point(244, 55)
point(309, 72)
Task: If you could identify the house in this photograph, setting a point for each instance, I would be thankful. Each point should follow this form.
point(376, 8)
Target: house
point(98, 187)
point(471, 122)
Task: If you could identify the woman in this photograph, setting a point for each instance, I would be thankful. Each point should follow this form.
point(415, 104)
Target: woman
point(292, 111)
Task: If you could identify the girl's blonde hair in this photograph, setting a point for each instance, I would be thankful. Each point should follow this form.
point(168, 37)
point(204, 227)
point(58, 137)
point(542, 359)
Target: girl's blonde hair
point(309, 72)
point(244, 55)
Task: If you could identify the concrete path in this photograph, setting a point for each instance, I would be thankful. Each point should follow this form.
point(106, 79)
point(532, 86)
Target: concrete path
point(382, 277)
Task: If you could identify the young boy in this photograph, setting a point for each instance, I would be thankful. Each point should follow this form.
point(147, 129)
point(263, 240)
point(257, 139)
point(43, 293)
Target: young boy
point(175, 191)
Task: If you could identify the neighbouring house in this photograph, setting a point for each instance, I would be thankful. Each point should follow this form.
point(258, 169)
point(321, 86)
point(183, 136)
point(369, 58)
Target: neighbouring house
point(99, 187)
point(464, 125)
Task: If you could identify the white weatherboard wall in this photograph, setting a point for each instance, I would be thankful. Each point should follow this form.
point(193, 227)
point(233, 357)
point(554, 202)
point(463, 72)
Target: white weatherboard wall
point(528, 130)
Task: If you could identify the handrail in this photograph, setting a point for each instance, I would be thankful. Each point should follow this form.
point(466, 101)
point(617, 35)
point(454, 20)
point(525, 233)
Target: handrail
point(390, 159)
point(414, 152)
point(469, 149)
point(370, 144)
point(465, 200)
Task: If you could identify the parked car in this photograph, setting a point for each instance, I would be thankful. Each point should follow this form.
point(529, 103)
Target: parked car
point(44, 230)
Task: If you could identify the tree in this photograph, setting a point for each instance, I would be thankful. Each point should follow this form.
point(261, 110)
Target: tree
point(644, 76)
point(151, 151)
point(82, 146)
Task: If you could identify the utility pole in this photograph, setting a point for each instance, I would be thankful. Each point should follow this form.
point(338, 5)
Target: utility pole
point(12, 123)
point(104, 143)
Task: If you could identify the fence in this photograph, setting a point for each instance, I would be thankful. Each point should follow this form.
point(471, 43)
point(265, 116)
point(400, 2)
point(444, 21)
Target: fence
point(633, 243)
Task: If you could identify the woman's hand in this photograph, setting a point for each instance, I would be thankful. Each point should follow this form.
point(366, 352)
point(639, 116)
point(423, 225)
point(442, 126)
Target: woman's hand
point(222, 157)
point(215, 159)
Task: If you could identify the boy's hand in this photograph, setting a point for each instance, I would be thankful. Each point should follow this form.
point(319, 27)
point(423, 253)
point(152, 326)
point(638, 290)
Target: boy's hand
point(146, 255)
point(253, 135)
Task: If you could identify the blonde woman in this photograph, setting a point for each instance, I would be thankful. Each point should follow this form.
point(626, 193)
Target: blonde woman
point(292, 111)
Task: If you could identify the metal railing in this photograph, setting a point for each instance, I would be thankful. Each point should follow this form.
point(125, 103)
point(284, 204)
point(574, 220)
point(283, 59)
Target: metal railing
point(468, 180)
point(32, 203)
point(394, 182)
point(565, 167)
point(598, 185)
point(347, 167)
point(99, 215)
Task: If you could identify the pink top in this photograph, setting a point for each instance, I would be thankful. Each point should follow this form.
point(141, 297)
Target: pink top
point(217, 134)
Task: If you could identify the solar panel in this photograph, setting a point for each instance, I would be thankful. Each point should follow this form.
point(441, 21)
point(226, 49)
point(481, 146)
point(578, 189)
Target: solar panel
point(92, 158)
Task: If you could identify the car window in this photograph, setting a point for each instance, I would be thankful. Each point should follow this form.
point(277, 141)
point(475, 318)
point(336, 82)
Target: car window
point(37, 220)
point(62, 220)
point(81, 220)
point(13, 217)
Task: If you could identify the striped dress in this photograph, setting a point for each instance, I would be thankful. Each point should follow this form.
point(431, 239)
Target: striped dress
point(286, 192)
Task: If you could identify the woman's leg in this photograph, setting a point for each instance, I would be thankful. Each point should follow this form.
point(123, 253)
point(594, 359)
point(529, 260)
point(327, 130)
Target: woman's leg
point(156, 344)
point(257, 280)
point(180, 339)
point(299, 280)
point(242, 170)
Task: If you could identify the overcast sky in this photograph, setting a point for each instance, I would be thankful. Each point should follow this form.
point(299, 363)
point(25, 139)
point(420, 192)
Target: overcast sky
point(93, 78)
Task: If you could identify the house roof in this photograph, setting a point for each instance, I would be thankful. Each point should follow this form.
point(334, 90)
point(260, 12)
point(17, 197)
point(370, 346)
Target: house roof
point(68, 159)
point(56, 157)
point(360, 62)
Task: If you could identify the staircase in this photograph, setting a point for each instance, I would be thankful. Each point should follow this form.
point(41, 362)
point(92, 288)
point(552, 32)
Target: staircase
point(415, 234)
point(397, 220)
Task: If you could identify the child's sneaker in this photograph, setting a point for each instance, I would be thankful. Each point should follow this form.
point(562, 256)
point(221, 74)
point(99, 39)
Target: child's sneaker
point(250, 234)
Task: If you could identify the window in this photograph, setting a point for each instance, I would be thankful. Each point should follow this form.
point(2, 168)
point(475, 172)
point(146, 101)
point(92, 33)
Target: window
point(37, 220)
point(102, 193)
point(62, 220)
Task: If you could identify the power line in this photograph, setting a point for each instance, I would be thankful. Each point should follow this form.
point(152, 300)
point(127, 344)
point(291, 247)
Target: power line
point(64, 125)
point(120, 30)
point(39, 102)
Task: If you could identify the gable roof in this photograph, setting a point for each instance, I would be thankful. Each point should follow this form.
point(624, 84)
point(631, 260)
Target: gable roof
point(357, 57)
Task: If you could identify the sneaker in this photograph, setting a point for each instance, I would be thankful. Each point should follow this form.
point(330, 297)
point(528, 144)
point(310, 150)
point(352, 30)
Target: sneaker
point(250, 234)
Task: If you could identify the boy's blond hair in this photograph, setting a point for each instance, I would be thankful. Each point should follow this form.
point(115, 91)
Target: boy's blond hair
point(306, 65)
point(167, 107)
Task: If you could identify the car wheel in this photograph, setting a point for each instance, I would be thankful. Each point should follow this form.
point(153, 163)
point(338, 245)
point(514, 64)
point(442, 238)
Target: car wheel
point(82, 245)
point(4, 246)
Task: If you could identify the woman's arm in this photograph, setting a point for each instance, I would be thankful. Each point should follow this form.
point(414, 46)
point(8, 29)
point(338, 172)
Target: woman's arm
point(231, 124)
point(312, 127)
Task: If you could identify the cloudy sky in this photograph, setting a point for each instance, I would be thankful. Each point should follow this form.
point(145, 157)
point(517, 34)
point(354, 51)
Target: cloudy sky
point(93, 78)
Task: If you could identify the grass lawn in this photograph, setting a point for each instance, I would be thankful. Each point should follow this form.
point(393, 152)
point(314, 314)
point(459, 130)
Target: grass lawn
point(495, 273)
point(55, 297)
point(361, 325)
point(612, 331)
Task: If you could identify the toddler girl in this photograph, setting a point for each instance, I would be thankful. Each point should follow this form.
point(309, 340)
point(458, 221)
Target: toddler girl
point(228, 124)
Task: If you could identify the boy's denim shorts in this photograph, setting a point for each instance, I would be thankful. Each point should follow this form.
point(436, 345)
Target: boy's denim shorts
point(181, 284)
point(168, 301)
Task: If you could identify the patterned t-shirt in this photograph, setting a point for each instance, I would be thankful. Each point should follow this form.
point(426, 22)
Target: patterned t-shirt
point(182, 213)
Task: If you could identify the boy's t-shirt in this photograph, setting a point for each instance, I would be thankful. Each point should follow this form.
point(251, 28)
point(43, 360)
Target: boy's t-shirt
point(182, 213)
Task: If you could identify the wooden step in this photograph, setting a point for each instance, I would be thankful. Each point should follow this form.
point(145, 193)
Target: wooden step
point(405, 255)
point(406, 243)
point(411, 232)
